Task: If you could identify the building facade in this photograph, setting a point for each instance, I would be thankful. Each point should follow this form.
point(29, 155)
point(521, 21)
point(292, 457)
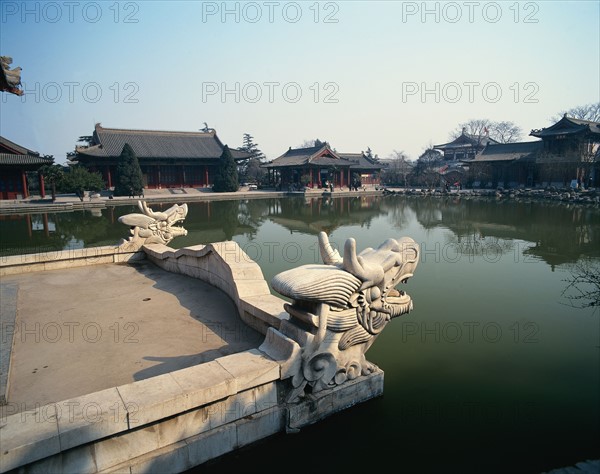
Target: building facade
point(168, 159)
point(567, 152)
point(320, 167)
point(506, 165)
point(16, 162)
point(571, 151)
point(464, 147)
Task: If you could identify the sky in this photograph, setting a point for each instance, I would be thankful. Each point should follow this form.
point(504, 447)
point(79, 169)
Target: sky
point(390, 75)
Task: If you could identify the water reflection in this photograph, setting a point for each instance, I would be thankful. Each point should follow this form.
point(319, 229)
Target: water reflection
point(488, 334)
point(583, 285)
point(556, 234)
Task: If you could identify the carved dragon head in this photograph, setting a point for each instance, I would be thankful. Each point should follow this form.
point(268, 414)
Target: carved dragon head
point(344, 304)
point(379, 271)
point(155, 227)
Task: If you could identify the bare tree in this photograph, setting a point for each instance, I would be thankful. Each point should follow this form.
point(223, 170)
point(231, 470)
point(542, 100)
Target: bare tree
point(398, 169)
point(589, 112)
point(505, 132)
point(473, 127)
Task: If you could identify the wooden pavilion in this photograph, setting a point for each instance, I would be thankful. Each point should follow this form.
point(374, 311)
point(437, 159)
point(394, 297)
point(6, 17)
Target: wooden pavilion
point(319, 166)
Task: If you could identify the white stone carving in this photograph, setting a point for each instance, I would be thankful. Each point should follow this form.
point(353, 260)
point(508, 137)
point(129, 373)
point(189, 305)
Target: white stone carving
point(155, 227)
point(339, 308)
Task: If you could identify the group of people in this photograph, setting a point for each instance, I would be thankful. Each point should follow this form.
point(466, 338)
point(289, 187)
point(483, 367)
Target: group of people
point(356, 185)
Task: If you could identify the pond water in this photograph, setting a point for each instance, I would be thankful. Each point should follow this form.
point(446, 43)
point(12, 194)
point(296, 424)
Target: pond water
point(493, 371)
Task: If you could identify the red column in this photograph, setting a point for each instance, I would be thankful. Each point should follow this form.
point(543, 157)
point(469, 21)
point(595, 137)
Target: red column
point(311, 179)
point(46, 227)
point(42, 186)
point(108, 177)
point(158, 177)
point(206, 175)
point(24, 183)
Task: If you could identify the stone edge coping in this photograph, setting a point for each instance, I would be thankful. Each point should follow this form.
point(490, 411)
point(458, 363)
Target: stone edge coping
point(32, 435)
point(51, 259)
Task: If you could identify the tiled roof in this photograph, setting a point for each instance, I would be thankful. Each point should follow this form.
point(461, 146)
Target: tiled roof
point(14, 159)
point(109, 142)
point(316, 155)
point(523, 151)
point(360, 161)
point(568, 126)
point(466, 140)
point(322, 156)
point(11, 147)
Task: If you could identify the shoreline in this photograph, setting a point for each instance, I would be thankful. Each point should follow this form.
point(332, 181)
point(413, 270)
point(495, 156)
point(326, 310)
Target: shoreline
point(70, 202)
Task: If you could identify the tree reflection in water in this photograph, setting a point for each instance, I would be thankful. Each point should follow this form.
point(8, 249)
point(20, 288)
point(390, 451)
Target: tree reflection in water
point(583, 289)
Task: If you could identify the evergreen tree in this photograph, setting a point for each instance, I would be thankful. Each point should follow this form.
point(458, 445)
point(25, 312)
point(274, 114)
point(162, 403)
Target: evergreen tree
point(253, 161)
point(251, 147)
point(370, 156)
point(226, 179)
point(78, 180)
point(130, 180)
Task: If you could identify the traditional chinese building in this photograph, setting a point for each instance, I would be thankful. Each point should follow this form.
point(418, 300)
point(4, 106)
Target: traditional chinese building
point(315, 166)
point(464, 147)
point(568, 151)
point(15, 162)
point(168, 159)
point(506, 165)
point(367, 169)
point(571, 151)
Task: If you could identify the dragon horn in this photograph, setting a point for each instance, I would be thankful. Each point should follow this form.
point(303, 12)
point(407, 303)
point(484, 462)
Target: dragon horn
point(328, 254)
point(351, 263)
point(369, 274)
point(160, 216)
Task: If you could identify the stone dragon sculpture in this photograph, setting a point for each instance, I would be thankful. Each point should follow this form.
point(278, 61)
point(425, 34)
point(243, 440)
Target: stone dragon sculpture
point(339, 308)
point(155, 227)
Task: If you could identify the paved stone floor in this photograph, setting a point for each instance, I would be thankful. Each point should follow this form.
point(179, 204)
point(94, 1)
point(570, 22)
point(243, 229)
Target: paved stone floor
point(85, 329)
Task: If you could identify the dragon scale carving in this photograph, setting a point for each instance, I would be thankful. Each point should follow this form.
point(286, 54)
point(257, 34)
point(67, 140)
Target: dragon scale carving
point(339, 308)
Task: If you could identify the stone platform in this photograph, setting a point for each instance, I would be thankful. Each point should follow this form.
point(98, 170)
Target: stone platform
point(129, 359)
point(85, 329)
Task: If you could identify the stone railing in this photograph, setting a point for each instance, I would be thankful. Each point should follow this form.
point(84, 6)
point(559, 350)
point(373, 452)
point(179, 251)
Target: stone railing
point(55, 260)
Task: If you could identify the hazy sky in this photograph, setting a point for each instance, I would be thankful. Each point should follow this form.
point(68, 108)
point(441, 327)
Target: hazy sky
point(388, 75)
